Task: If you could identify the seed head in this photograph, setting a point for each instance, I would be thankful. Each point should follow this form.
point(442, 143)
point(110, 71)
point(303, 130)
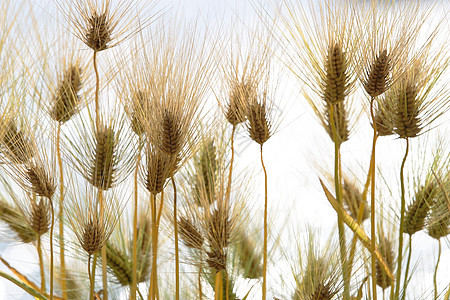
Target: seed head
point(241, 94)
point(15, 143)
point(217, 260)
point(66, 98)
point(119, 263)
point(93, 235)
point(98, 34)
point(335, 87)
point(39, 181)
point(104, 158)
point(385, 247)
point(219, 229)
point(376, 80)
point(159, 169)
point(190, 235)
point(39, 217)
point(417, 211)
point(17, 222)
point(336, 115)
point(258, 122)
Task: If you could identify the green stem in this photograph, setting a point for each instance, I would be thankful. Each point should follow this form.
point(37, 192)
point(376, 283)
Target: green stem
point(103, 250)
point(337, 185)
point(177, 258)
point(41, 263)
point(435, 271)
point(372, 202)
point(405, 283)
point(402, 220)
point(265, 229)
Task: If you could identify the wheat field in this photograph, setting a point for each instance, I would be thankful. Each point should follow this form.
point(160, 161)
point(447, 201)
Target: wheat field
point(191, 149)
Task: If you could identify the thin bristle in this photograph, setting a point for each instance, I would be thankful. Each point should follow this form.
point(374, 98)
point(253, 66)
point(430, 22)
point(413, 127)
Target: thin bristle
point(418, 210)
point(259, 126)
point(66, 97)
point(190, 235)
point(376, 81)
point(39, 218)
point(92, 236)
point(98, 35)
point(40, 182)
point(18, 147)
point(17, 222)
point(103, 168)
point(335, 85)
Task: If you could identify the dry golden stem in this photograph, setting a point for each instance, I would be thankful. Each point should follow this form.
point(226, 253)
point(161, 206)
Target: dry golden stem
point(151, 292)
point(177, 258)
point(60, 215)
point(218, 289)
point(265, 229)
point(134, 262)
point(97, 89)
point(231, 165)
point(372, 202)
point(41, 263)
point(51, 249)
point(92, 277)
point(156, 217)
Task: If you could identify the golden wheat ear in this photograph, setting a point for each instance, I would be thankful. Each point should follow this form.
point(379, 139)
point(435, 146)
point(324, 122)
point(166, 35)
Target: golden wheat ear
point(66, 97)
point(386, 248)
point(418, 209)
point(91, 226)
point(317, 271)
point(17, 221)
point(15, 142)
point(104, 24)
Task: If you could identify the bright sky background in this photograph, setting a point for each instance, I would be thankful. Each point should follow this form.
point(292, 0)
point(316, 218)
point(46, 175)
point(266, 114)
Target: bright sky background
point(292, 157)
